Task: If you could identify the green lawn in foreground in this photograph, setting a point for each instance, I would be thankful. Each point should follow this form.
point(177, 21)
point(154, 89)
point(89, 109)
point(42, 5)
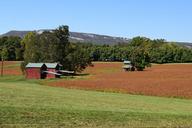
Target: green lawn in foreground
point(29, 104)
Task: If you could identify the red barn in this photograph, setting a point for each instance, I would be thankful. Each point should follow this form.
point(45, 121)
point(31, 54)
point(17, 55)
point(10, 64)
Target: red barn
point(36, 71)
point(52, 70)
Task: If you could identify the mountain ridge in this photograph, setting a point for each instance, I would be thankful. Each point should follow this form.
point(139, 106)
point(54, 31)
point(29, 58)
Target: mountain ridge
point(77, 37)
point(86, 37)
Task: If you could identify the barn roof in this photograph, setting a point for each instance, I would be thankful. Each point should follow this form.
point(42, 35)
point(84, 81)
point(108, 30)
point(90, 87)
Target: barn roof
point(34, 65)
point(51, 65)
point(127, 66)
point(127, 62)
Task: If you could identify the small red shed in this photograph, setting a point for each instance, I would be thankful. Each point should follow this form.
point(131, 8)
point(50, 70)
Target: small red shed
point(52, 70)
point(36, 71)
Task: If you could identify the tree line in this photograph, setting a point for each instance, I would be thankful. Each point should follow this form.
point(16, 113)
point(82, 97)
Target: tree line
point(54, 46)
point(158, 51)
point(141, 51)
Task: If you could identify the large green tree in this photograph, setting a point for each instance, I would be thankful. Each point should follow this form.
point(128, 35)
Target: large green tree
point(4, 54)
point(140, 58)
point(62, 33)
point(54, 46)
point(78, 58)
point(140, 52)
point(32, 48)
point(12, 45)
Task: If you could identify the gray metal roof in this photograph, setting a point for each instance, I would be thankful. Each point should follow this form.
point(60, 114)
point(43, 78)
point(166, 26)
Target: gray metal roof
point(127, 62)
point(51, 65)
point(127, 66)
point(34, 65)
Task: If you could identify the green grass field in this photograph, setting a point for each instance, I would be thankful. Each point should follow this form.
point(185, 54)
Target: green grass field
point(31, 104)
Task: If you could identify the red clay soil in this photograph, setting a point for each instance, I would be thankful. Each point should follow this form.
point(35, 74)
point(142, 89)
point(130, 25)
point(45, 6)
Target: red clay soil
point(170, 80)
point(11, 68)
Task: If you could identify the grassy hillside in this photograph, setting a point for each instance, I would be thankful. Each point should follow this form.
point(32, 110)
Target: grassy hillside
point(29, 104)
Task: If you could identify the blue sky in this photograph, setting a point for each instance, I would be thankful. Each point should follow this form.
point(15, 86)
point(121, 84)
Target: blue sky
point(168, 19)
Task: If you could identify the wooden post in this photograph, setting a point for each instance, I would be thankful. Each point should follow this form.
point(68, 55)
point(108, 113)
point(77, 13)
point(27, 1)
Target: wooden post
point(1, 66)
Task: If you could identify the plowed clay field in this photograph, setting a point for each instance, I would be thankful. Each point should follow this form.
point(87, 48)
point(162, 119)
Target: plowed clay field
point(169, 80)
point(11, 68)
